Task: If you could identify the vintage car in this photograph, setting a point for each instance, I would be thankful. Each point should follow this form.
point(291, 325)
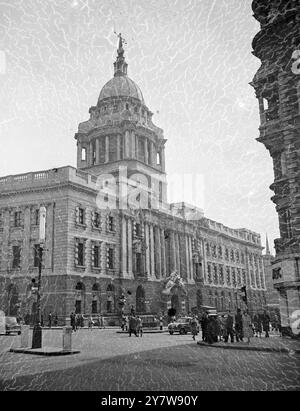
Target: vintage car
point(12, 326)
point(181, 325)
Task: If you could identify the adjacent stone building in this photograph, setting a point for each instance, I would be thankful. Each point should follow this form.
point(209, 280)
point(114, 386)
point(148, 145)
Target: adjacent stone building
point(277, 86)
point(110, 231)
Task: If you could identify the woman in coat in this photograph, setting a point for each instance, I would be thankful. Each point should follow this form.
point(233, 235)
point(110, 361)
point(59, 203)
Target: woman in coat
point(194, 327)
point(247, 326)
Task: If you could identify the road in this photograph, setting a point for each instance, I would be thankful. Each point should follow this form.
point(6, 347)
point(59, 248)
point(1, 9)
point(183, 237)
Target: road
point(114, 362)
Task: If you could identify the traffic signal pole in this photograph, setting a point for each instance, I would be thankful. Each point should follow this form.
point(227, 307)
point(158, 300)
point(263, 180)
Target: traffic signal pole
point(37, 329)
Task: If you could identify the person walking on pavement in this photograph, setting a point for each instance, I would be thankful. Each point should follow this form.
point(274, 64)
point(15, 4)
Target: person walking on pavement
point(266, 324)
point(257, 325)
point(132, 325)
point(247, 326)
point(194, 327)
point(73, 321)
point(139, 326)
point(229, 328)
point(204, 323)
point(50, 320)
point(239, 326)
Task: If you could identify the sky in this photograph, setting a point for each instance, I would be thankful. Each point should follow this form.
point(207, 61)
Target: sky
point(192, 60)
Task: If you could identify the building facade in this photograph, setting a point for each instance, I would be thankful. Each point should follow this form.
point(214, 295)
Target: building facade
point(277, 86)
point(110, 232)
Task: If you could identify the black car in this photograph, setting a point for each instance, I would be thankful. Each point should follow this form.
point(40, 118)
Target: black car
point(182, 325)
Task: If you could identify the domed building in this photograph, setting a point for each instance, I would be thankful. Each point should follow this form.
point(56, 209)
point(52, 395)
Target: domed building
point(113, 242)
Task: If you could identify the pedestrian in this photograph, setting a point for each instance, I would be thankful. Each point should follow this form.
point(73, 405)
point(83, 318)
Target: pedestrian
point(50, 320)
point(90, 323)
point(212, 330)
point(77, 321)
point(204, 323)
point(132, 326)
point(73, 321)
point(239, 326)
point(161, 323)
point(55, 320)
point(139, 326)
point(194, 327)
point(42, 320)
point(247, 326)
point(266, 323)
point(229, 328)
point(257, 325)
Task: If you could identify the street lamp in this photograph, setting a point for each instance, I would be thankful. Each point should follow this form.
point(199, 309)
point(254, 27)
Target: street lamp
point(37, 329)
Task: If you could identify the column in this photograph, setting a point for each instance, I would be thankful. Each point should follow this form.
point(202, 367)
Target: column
point(129, 228)
point(191, 259)
point(187, 258)
point(118, 147)
point(163, 254)
point(163, 159)
point(126, 145)
point(152, 251)
point(133, 147)
point(173, 252)
point(253, 265)
point(158, 252)
point(97, 151)
point(107, 149)
point(124, 246)
point(177, 252)
point(146, 150)
point(27, 251)
point(147, 249)
point(90, 154)
point(79, 150)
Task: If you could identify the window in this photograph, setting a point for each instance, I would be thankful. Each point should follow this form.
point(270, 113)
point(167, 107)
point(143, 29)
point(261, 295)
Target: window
point(138, 263)
point(113, 148)
point(81, 216)
point(36, 219)
point(102, 150)
point(237, 256)
point(16, 256)
point(80, 253)
point(226, 254)
point(36, 255)
point(220, 251)
point(207, 249)
point(96, 256)
point(83, 154)
point(232, 255)
point(138, 230)
point(96, 220)
point(110, 258)
point(141, 150)
point(158, 158)
point(17, 218)
point(111, 223)
point(127, 106)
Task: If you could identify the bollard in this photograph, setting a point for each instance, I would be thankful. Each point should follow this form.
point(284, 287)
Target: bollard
point(25, 330)
point(67, 338)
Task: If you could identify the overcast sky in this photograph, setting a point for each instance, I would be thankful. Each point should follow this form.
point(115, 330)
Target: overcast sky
point(193, 63)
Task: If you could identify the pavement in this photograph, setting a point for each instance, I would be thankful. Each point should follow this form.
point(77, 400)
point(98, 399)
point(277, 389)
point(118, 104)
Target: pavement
point(112, 361)
point(274, 343)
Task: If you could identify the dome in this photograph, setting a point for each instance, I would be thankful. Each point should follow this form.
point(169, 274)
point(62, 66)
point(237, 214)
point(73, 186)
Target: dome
point(121, 86)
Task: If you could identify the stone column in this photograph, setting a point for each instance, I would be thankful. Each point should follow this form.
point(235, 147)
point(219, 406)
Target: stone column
point(147, 250)
point(129, 228)
point(124, 247)
point(133, 148)
point(146, 150)
point(187, 258)
point(152, 251)
point(163, 159)
point(97, 151)
point(191, 259)
point(127, 145)
point(107, 149)
point(163, 254)
point(79, 150)
point(118, 147)
point(158, 252)
point(173, 265)
point(27, 250)
point(177, 253)
point(90, 154)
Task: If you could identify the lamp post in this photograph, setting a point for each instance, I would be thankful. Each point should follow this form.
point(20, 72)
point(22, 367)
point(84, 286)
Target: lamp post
point(37, 329)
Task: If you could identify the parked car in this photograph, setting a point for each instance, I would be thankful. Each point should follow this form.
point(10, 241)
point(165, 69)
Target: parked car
point(12, 326)
point(182, 325)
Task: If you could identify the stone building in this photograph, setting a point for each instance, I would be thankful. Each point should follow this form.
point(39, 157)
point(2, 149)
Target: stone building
point(110, 231)
point(277, 86)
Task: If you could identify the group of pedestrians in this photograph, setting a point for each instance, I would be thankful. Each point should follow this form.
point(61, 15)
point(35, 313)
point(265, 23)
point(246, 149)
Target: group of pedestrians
point(77, 320)
point(241, 326)
point(135, 325)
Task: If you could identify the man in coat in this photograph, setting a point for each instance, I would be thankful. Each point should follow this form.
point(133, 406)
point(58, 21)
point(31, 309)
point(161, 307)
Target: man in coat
point(266, 323)
point(229, 328)
point(73, 321)
point(239, 326)
point(132, 326)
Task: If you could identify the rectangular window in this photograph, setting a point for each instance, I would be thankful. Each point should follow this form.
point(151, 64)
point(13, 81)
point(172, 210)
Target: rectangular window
point(102, 150)
point(138, 230)
point(141, 150)
point(110, 223)
point(17, 219)
point(81, 216)
point(96, 220)
point(83, 154)
point(36, 217)
point(16, 256)
point(111, 264)
point(36, 255)
point(81, 254)
point(96, 262)
point(138, 263)
point(113, 148)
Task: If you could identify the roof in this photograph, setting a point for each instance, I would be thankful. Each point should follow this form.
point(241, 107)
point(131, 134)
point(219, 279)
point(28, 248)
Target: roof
point(121, 86)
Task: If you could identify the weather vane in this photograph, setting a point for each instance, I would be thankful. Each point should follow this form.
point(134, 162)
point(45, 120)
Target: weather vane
point(121, 39)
